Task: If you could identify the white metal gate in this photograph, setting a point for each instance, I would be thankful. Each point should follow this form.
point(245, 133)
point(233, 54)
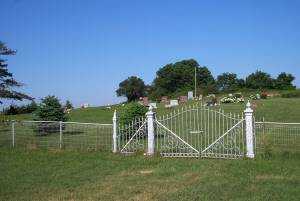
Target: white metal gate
point(193, 131)
point(200, 131)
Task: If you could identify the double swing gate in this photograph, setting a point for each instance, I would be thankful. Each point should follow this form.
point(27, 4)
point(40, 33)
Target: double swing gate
point(193, 131)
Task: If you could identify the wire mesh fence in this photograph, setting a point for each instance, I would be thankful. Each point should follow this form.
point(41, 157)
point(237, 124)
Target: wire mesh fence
point(56, 135)
point(278, 136)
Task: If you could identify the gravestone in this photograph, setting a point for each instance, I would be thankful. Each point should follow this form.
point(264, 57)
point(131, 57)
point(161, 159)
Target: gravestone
point(190, 95)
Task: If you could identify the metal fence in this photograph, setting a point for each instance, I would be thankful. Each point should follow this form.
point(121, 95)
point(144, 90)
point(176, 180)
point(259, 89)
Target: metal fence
point(279, 136)
point(52, 134)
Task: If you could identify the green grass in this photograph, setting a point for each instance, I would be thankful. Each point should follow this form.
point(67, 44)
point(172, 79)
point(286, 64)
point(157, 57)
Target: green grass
point(272, 109)
point(64, 175)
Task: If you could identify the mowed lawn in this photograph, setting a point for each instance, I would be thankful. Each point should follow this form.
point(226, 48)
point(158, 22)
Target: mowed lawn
point(272, 109)
point(65, 175)
point(92, 175)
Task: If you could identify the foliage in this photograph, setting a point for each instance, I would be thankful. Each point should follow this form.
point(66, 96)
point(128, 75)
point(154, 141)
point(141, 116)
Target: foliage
point(284, 81)
point(23, 109)
point(180, 77)
point(133, 88)
point(132, 111)
point(291, 94)
point(7, 82)
point(50, 109)
point(228, 82)
point(259, 80)
point(68, 105)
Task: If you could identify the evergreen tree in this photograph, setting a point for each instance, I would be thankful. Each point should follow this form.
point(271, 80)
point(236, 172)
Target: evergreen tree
point(7, 82)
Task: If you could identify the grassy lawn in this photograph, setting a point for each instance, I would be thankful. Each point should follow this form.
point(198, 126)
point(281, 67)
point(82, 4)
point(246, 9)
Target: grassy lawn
point(42, 175)
point(273, 109)
point(53, 174)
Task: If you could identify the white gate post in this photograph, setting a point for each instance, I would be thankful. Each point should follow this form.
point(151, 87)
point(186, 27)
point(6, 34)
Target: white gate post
point(150, 121)
point(249, 130)
point(115, 127)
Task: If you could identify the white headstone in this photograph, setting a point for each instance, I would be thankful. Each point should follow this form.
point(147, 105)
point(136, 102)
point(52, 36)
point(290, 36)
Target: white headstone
point(190, 95)
point(173, 103)
point(153, 105)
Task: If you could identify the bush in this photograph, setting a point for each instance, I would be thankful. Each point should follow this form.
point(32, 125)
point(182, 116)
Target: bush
point(132, 111)
point(23, 109)
point(291, 94)
point(49, 109)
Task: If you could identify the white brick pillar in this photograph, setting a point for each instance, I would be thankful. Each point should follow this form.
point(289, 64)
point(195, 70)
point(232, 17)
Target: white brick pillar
point(115, 128)
point(249, 131)
point(150, 121)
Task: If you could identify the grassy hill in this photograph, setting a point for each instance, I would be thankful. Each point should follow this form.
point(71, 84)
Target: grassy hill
point(272, 109)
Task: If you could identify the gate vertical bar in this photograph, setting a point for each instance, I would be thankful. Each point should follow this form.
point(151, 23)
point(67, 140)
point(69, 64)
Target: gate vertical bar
point(13, 133)
point(249, 131)
point(60, 134)
point(151, 141)
point(115, 127)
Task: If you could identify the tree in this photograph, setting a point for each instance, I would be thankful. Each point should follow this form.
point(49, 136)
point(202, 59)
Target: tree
point(284, 81)
point(50, 109)
point(68, 105)
point(7, 82)
point(133, 88)
point(227, 81)
point(259, 80)
point(179, 76)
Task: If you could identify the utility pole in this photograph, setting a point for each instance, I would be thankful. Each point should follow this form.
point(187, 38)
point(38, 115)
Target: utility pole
point(195, 82)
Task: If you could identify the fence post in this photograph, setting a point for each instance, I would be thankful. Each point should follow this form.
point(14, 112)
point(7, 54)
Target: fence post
point(60, 134)
point(13, 133)
point(115, 128)
point(249, 131)
point(150, 121)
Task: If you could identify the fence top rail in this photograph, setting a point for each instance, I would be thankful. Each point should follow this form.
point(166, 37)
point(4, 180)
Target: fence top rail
point(68, 122)
point(278, 123)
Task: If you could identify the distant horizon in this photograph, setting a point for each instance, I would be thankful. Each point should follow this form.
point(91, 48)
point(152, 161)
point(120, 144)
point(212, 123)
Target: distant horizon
point(80, 51)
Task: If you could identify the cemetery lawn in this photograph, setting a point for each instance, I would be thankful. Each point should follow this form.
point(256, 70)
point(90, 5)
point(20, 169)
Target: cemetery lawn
point(66, 175)
point(272, 109)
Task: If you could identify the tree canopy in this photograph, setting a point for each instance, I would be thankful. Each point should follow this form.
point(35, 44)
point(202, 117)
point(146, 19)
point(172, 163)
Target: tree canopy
point(133, 88)
point(50, 109)
point(7, 82)
point(284, 81)
point(259, 80)
point(180, 76)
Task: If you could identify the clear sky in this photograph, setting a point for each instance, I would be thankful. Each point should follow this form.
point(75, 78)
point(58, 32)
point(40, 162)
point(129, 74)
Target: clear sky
point(81, 50)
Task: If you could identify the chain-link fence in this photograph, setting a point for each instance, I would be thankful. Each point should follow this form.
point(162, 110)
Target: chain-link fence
point(277, 136)
point(56, 135)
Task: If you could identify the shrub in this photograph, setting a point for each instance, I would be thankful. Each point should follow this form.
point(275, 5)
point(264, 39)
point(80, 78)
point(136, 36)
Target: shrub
point(23, 109)
point(131, 111)
point(291, 94)
point(50, 109)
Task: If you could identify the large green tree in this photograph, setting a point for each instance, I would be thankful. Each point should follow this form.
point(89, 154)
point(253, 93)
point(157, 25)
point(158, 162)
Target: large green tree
point(179, 76)
point(259, 80)
point(284, 81)
point(7, 82)
point(133, 88)
point(228, 81)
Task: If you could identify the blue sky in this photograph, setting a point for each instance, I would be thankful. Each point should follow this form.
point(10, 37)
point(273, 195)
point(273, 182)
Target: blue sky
point(81, 50)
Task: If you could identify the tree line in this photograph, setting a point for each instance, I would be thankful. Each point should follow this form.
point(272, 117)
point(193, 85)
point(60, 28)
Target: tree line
point(176, 79)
